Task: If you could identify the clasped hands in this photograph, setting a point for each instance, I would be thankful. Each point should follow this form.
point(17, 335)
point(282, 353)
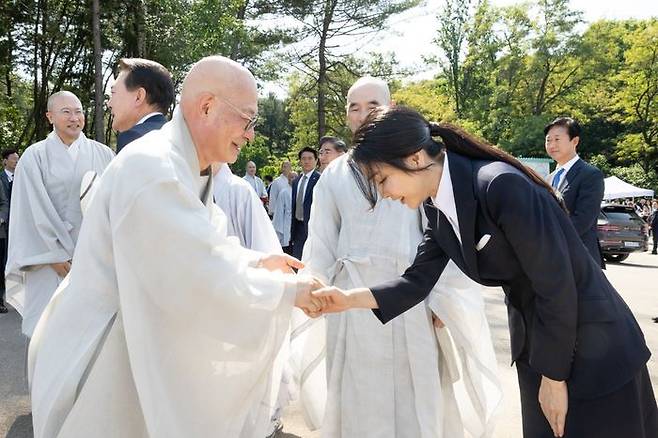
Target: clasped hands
point(313, 296)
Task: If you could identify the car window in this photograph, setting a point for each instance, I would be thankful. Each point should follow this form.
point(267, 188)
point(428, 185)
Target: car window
point(621, 214)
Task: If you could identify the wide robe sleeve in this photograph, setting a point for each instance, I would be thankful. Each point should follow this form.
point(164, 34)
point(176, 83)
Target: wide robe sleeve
point(37, 234)
point(259, 233)
point(397, 296)
point(529, 218)
point(202, 325)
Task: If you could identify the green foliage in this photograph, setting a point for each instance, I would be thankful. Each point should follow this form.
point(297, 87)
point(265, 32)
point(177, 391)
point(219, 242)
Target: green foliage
point(636, 175)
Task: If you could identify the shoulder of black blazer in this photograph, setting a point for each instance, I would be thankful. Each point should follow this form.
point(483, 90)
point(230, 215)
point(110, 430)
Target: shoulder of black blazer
point(578, 171)
point(152, 123)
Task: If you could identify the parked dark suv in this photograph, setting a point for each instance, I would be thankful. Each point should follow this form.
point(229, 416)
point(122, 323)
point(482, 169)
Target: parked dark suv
point(621, 232)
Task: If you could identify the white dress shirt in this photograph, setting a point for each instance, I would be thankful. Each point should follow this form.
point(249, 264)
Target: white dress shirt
point(308, 178)
point(146, 117)
point(445, 199)
point(567, 166)
point(10, 175)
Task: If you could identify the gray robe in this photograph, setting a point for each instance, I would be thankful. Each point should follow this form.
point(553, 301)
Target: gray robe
point(45, 218)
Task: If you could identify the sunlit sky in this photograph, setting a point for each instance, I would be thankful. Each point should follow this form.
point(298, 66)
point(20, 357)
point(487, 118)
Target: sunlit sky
point(410, 34)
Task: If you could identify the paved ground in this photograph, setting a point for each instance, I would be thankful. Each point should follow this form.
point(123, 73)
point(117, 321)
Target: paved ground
point(636, 279)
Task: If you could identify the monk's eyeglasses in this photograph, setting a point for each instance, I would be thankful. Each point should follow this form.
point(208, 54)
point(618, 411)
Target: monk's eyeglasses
point(251, 120)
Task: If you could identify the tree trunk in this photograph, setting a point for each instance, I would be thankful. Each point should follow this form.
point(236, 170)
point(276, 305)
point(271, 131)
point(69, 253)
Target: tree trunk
point(329, 6)
point(98, 72)
point(235, 45)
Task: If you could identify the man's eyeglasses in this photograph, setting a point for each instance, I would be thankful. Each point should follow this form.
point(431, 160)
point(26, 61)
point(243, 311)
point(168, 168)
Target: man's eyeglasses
point(251, 120)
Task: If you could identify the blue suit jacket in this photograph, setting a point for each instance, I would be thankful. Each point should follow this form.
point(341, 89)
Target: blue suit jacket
point(565, 319)
point(152, 123)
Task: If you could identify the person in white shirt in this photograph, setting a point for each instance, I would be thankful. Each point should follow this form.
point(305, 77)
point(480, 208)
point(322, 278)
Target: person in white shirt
point(141, 96)
point(283, 214)
point(279, 183)
point(254, 181)
point(46, 216)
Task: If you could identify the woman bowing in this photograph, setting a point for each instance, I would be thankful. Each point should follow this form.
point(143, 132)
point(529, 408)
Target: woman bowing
point(580, 355)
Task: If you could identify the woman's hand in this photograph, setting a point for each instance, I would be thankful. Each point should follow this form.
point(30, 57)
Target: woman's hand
point(554, 402)
point(337, 300)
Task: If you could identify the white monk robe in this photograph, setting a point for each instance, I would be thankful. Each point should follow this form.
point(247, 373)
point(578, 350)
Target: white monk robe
point(278, 185)
point(283, 214)
point(384, 380)
point(163, 328)
point(247, 219)
point(46, 218)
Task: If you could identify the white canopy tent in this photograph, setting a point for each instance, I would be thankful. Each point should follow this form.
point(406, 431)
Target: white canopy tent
point(616, 188)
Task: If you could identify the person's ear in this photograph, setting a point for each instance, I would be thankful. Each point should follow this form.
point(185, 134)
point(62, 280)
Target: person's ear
point(576, 141)
point(140, 96)
point(415, 160)
point(206, 103)
point(49, 116)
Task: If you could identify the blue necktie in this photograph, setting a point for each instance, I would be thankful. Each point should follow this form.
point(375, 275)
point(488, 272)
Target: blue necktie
point(556, 178)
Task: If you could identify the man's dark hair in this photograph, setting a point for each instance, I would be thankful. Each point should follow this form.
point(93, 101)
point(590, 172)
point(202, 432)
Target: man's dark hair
point(307, 149)
point(269, 178)
point(573, 128)
point(152, 77)
point(338, 144)
point(7, 152)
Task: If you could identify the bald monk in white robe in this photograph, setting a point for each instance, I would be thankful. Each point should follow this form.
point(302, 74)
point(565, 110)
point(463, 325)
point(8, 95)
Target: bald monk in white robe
point(391, 380)
point(166, 327)
point(45, 211)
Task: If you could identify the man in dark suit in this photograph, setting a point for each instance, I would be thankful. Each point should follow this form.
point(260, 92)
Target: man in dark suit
point(141, 96)
point(580, 183)
point(9, 162)
point(653, 224)
point(302, 198)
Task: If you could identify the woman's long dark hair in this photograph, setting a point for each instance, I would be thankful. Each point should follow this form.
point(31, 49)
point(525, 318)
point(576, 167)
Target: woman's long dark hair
point(391, 134)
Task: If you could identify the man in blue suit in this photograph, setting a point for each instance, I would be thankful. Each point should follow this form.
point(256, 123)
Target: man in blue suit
point(302, 198)
point(141, 96)
point(580, 183)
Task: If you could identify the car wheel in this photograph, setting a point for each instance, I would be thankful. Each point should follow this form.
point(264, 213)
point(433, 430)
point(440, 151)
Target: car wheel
point(615, 258)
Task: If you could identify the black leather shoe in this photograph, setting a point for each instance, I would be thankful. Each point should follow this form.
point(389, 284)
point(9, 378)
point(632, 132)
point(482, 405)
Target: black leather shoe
point(3, 309)
point(655, 320)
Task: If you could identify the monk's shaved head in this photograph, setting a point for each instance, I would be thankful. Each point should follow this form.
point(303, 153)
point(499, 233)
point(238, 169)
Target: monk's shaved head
point(56, 98)
point(66, 115)
point(218, 75)
point(218, 100)
point(366, 94)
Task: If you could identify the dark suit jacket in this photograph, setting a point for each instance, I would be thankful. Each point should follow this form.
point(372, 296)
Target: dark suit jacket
point(298, 232)
point(152, 123)
point(5, 202)
point(565, 318)
point(4, 212)
point(582, 189)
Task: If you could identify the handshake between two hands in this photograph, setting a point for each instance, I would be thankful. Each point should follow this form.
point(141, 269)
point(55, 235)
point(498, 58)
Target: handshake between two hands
point(313, 297)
